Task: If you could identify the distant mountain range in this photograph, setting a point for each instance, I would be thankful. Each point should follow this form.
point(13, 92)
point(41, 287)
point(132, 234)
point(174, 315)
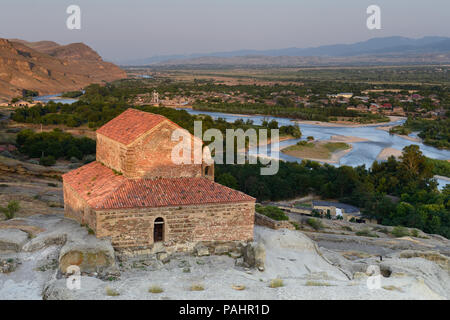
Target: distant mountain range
point(48, 68)
point(429, 47)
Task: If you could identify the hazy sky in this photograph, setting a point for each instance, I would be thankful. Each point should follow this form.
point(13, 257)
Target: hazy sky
point(129, 29)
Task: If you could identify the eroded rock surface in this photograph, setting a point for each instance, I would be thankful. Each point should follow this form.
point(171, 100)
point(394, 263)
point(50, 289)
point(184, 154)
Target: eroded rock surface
point(12, 239)
point(309, 269)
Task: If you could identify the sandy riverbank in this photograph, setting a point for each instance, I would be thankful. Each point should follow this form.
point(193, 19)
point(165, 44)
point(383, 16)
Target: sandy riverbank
point(347, 124)
point(388, 152)
point(347, 139)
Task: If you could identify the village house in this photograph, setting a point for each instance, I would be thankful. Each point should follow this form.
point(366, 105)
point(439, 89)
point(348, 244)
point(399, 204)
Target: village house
point(8, 147)
point(359, 107)
point(334, 209)
point(373, 108)
point(346, 211)
point(23, 103)
point(136, 196)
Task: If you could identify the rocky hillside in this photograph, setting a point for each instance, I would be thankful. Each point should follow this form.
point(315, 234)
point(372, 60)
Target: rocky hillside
point(49, 68)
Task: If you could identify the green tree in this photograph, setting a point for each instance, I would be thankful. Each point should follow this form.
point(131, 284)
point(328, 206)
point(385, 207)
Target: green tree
point(228, 180)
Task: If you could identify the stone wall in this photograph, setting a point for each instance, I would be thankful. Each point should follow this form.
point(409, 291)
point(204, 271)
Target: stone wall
point(265, 221)
point(111, 153)
point(325, 209)
point(150, 156)
point(183, 226)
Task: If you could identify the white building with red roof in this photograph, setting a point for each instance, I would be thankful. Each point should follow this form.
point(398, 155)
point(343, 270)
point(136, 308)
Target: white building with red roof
point(138, 197)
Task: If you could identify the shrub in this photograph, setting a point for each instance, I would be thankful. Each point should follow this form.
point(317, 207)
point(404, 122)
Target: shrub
point(197, 287)
point(316, 213)
point(311, 283)
point(238, 287)
point(400, 231)
point(305, 144)
point(272, 212)
point(382, 230)
point(112, 292)
point(392, 288)
point(347, 228)
point(155, 289)
point(415, 233)
point(11, 209)
point(276, 283)
point(315, 224)
point(296, 225)
point(366, 233)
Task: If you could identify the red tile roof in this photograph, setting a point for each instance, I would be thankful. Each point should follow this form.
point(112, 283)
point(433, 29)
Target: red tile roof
point(130, 125)
point(103, 189)
point(93, 182)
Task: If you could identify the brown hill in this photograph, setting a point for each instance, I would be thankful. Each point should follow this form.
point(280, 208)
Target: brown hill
point(49, 68)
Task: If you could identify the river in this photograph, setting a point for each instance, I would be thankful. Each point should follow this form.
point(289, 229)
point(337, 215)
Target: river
point(362, 153)
point(56, 98)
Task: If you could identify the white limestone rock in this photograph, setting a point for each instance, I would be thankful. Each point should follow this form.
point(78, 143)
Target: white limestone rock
point(12, 240)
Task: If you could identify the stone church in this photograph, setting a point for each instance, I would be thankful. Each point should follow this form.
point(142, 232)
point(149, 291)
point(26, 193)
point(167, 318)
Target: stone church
point(136, 196)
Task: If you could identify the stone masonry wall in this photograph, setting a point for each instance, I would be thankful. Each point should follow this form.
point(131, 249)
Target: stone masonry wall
point(183, 226)
point(265, 221)
point(151, 156)
point(110, 153)
point(77, 209)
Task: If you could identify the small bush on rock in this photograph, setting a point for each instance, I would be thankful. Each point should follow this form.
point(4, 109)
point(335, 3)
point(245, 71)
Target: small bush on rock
point(11, 209)
point(399, 232)
point(197, 287)
point(155, 289)
point(276, 283)
point(272, 212)
point(111, 292)
point(315, 224)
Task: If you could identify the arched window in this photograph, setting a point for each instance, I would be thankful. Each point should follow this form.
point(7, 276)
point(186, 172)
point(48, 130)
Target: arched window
point(207, 171)
point(158, 230)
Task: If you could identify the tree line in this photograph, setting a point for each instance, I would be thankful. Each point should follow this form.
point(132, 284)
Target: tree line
point(53, 145)
point(395, 192)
